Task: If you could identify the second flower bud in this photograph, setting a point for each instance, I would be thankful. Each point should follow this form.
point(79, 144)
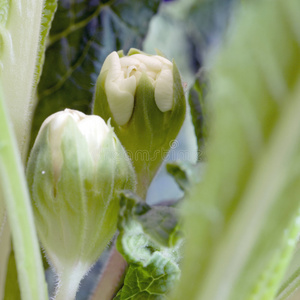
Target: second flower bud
point(75, 170)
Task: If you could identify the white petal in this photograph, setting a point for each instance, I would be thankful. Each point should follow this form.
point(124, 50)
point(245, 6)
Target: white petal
point(127, 84)
point(56, 123)
point(127, 61)
point(111, 67)
point(164, 90)
point(120, 102)
point(150, 62)
point(130, 71)
point(164, 61)
point(151, 74)
point(95, 130)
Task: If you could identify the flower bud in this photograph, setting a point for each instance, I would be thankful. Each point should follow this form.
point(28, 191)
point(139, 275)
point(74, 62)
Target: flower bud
point(75, 170)
point(143, 96)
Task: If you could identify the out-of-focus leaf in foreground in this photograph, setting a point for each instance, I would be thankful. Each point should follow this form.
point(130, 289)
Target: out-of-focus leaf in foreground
point(149, 240)
point(196, 102)
point(82, 35)
point(289, 289)
point(236, 218)
point(12, 290)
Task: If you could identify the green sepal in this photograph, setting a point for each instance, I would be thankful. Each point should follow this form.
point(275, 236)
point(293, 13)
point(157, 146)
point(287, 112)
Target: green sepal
point(133, 51)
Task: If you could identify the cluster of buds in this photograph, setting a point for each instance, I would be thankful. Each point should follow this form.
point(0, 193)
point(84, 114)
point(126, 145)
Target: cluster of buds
point(143, 96)
point(78, 165)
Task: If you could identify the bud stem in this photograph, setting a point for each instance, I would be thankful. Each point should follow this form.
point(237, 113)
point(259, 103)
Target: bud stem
point(143, 183)
point(68, 282)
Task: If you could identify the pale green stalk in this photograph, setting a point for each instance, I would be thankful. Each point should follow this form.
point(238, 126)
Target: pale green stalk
point(4, 251)
point(267, 285)
point(69, 281)
point(14, 190)
point(289, 289)
point(24, 25)
point(19, 49)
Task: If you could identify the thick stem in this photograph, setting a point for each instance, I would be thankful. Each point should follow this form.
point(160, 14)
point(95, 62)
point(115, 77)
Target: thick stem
point(13, 188)
point(143, 184)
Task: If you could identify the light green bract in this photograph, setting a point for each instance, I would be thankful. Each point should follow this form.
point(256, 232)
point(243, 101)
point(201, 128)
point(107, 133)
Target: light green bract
point(143, 96)
point(150, 241)
point(75, 170)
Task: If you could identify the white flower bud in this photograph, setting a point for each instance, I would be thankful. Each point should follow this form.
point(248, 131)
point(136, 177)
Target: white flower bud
point(143, 97)
point(75, 171)
point(93, 128)
point(120, 78)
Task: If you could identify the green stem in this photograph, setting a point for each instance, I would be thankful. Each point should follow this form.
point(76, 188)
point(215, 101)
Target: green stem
point(143, 183)
point(4, 252)
point(68, 282)
point(20, 216)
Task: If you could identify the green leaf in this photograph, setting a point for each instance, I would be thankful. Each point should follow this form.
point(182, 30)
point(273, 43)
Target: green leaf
point(185, 173)
point(197, 24)
point(13, 190)
point(235, 219)
point(149, 239)
point(82, 35)
point(23, 29)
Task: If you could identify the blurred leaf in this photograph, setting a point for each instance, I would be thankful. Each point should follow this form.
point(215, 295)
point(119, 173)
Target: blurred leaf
point(291, 283)
point(196, 102)
point(268, 282)
point(236, 218)
point(149, 239)
point(82, 35)
point(12, 291)
point(199, 24)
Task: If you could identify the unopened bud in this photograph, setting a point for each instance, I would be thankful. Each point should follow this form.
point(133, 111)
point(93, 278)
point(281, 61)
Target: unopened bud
point(143, 96)
point(75, 170)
